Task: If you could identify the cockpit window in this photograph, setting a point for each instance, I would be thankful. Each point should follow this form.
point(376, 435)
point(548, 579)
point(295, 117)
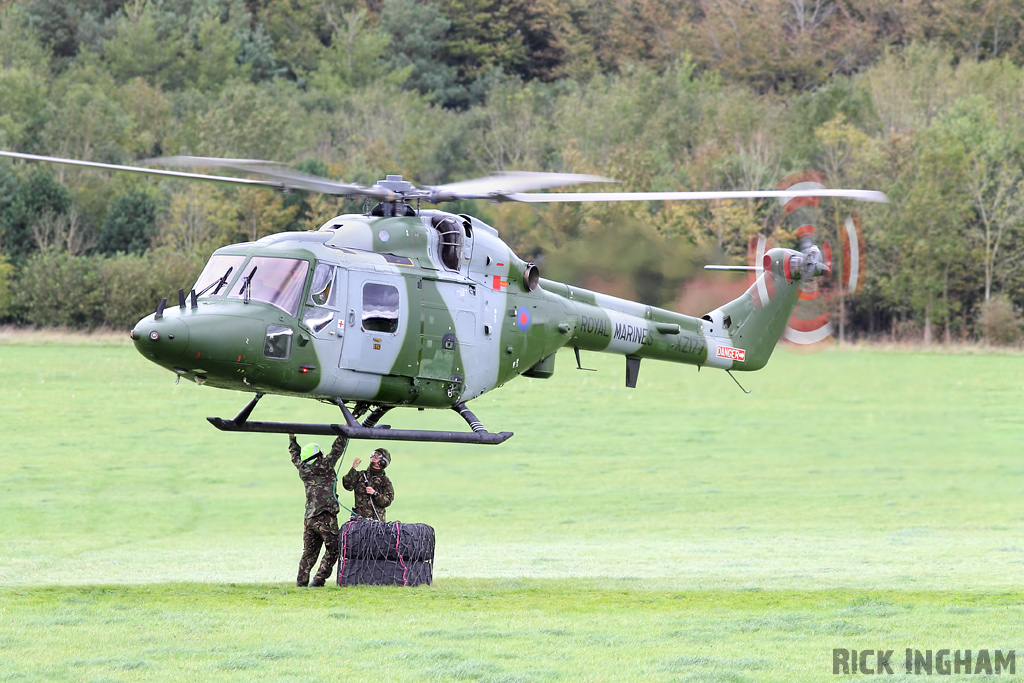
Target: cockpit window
point(272, 280)
point(217, 274)
point(320, 291)
point(380, 308)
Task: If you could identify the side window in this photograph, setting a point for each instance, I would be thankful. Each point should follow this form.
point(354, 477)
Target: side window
point(278, 343)
point(316, 319)
point(380, 308)
point(321, 289)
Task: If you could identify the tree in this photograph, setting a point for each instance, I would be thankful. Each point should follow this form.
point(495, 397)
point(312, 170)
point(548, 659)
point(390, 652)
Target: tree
point(257, 54)
point(995, 183)
point(88, 121)
point(68, 29)
point(512, 127)
point(131, 285)
point(294, 28)
point(20, 46)
point(772, 45)
point(23, 94)
point(606, 37)
point(262, 212)
point(249, 121)
point(720, 230)
point(58, 288)
point(150, 112)
point(998, 322)
point(355, 57)
point(24, 204)
point(977, 29)
point(130, 225)
point(417, 31)
point(53, 231)
point(139, 49)
point(6, 296)
point(211, 52)
point(840, 143)
point(198, 220)
point(381, 130)
point(932, 218)
point(483, 35)
point(909, 88)
point(482, 42)
point(548, 33)
point(56, 23)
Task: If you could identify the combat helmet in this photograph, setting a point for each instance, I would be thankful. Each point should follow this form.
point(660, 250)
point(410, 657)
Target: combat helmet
point(310, 451)
point(385, 457)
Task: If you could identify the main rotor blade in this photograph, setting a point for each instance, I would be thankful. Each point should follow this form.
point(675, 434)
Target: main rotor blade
point(150, 171)
point(860, 195)
point(285, 177)
point(510, 183)
point(513, 186)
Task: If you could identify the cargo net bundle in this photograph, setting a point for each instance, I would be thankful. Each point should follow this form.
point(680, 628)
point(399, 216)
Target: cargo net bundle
point(385, 553)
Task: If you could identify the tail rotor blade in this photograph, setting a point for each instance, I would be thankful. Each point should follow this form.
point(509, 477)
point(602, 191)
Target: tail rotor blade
point(852, 239)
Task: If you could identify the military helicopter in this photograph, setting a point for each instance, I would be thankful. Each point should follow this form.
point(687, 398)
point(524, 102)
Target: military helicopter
point(404, 306)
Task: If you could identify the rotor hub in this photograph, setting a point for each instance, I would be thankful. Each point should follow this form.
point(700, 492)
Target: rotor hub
point(394, 183)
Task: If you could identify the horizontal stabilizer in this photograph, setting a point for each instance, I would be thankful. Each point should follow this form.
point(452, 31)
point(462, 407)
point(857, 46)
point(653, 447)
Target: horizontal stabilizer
point(739, 269)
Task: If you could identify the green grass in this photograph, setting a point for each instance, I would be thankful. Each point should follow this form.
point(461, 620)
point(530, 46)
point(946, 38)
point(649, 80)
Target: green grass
point(679, 531)
point(495, 630)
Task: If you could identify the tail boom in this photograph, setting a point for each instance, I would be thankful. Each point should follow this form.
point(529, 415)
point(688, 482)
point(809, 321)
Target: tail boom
point(739, 335)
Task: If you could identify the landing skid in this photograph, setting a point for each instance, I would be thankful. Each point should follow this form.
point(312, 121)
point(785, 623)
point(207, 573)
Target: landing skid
point(366, 430)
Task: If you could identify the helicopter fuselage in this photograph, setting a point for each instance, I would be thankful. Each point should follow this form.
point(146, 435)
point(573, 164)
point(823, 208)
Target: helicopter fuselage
point(427, 310)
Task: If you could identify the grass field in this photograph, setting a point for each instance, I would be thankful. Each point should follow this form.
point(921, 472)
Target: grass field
point(680, 531)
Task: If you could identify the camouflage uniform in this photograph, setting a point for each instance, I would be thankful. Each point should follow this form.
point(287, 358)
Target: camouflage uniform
point(321, 522)
point(385, 493)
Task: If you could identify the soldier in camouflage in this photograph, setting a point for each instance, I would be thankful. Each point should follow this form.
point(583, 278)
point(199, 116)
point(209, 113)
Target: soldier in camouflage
point(316, 471)
point(372, 488)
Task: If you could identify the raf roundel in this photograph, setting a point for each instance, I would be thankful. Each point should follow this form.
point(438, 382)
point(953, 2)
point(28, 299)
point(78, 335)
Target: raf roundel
point(523, 318)
point(383, 235)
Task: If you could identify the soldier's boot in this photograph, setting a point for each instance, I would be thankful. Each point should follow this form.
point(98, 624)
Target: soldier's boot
point(302, 581)
point(317, 582)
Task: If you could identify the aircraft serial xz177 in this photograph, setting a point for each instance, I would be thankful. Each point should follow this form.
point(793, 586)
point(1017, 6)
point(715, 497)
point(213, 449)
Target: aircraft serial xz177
point(404, 306)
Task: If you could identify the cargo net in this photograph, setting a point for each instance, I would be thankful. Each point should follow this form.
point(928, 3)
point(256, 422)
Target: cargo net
point(385, 553)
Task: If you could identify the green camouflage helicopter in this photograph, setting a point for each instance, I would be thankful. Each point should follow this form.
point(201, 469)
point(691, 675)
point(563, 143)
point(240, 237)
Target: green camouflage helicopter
point(405, 306)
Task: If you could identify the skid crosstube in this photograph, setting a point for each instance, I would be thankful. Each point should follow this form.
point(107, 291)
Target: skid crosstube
point(376, 433)
point(353, 430)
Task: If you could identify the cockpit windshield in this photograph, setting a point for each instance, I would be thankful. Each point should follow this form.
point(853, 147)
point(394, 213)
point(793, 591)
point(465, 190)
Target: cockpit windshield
point(217, 274)
point(272, 280)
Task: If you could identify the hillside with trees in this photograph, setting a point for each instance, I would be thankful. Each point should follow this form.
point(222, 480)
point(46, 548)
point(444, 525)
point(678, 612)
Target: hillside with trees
point(919, 99)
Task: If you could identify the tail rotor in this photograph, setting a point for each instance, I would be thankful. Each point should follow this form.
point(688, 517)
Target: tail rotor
point(810, 327)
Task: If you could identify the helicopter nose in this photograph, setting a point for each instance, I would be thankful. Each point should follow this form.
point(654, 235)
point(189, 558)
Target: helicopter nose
point(162, 338)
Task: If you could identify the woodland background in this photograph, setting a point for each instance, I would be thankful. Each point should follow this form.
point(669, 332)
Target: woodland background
point(920, 99)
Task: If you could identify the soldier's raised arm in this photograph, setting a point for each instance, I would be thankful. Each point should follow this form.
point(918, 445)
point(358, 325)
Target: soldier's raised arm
point(294, 449)
point(337, 450)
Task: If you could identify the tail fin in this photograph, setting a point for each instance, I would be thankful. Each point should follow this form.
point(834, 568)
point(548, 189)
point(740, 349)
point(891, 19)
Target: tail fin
point(747, 329)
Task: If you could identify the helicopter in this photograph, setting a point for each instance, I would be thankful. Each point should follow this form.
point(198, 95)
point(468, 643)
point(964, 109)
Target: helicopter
point(406, 306)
